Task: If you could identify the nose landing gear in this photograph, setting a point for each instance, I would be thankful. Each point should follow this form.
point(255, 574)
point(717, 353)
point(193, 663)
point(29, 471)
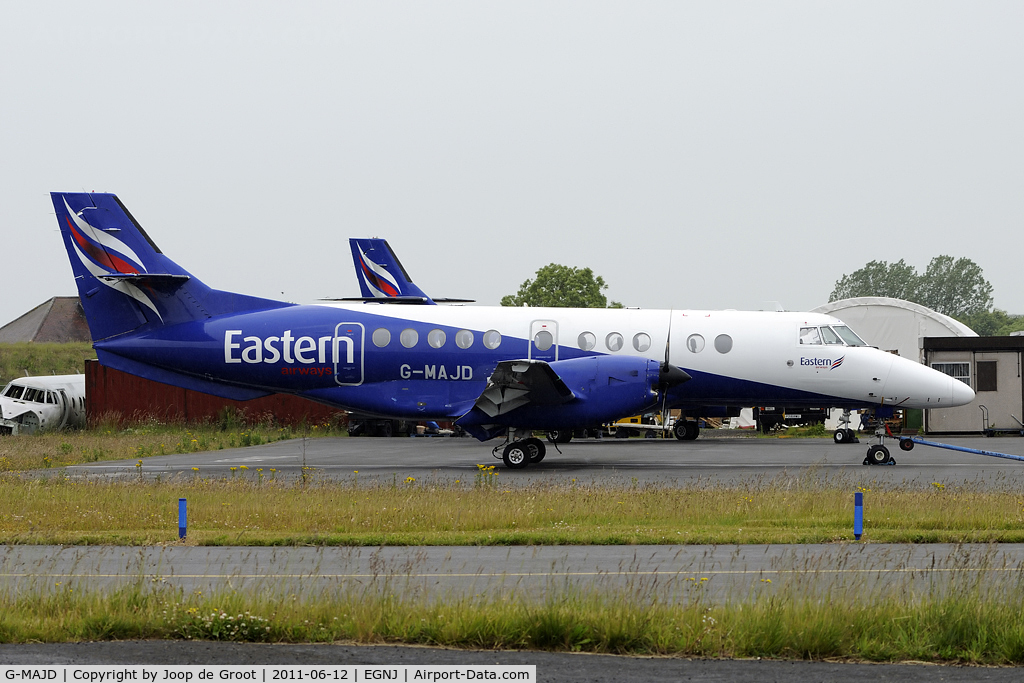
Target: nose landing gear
point(878, 454)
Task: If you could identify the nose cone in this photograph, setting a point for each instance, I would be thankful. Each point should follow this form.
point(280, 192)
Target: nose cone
point(912, 385)
point(962, 394)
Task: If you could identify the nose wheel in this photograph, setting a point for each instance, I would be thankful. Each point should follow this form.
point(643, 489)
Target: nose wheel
point(879, 455)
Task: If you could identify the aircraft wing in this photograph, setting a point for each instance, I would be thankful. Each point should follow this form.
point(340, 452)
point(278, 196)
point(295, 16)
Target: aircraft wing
point(515, 383)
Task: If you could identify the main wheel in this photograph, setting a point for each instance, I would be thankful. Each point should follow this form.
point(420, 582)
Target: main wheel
point(560, 435)
point(679, 429)
point(516, 455)
point(536, 448)
point(840, 436)
point(878, 455)
point(692, 431)
point(906, 445)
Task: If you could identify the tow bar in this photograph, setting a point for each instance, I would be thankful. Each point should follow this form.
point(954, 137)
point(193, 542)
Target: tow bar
point(907, 443)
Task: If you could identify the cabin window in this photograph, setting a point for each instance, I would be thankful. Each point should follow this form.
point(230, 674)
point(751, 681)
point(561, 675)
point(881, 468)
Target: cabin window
point(613, 341)
point(723, 343)
point(695, 343)
point(586, 341)
point(492, 339)
point(641, 341)
point(436, 338)
point(409, 337)
point(463, 339)
point(381, 337)
point(960, 371)
point(543, 340)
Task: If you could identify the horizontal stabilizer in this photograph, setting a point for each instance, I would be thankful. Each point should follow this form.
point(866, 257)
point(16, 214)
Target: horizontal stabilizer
point(163, 282)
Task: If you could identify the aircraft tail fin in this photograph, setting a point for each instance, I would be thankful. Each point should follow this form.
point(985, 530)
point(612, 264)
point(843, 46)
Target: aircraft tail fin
point(380, 273)
point(124, 281)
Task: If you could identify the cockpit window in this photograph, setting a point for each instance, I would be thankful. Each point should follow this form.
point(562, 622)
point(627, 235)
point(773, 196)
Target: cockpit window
point(14, 391)
point(809, 335)
point(849, 336)
point(836, 334)
point(830, 337)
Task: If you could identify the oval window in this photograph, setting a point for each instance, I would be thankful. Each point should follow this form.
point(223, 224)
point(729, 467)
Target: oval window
point(641, 341)
point(587, 340)
point(409, 338)
point(463, 339)
point(695, 343)
point(436, 338)
point(613, 341)
point(492, 339)
point(381, 337)
point(543, 340)
point(723, 343)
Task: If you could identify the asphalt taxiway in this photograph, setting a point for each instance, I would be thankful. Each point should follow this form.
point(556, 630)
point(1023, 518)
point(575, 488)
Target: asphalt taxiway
point(663, 461)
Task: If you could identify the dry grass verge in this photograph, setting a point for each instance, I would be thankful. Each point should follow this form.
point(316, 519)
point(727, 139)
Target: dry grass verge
point(253, 507)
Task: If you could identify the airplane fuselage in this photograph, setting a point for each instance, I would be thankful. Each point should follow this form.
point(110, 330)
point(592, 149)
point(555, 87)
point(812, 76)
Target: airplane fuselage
point(434, 361)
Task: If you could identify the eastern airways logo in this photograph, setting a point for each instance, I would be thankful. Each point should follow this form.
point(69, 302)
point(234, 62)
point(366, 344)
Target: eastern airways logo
point(104, 255)
point(822, 362)
point(380, 282)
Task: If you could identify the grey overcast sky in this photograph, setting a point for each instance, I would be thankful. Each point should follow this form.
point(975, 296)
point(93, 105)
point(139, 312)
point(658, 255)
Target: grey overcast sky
point(694, 154)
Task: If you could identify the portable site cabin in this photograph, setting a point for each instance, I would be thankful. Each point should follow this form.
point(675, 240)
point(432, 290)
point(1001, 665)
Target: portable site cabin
point(989, 365)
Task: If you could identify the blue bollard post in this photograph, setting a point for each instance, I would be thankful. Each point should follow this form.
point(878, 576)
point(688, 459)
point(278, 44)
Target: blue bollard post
point(183, 518)
point(858, 515)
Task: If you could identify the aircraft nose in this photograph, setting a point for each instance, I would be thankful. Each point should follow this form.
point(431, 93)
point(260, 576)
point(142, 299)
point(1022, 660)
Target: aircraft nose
point(962, 394)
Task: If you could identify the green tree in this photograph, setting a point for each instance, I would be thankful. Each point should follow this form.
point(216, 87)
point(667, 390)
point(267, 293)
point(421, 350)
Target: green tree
point(562, 287)
point(878, 278)
point(994, 323)
point(954, 287)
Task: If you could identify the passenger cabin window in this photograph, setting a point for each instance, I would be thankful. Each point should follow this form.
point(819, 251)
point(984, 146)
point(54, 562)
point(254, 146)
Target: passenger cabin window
point(587, 341)
point(436, 338)
point(492, 339)
point(409, 338)
point(613, 341)
point(641, 341)
point(463, 339)
point(381, 337)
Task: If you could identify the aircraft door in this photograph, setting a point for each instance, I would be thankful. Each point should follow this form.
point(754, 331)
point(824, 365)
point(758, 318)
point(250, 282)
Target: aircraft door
point(347, 353)
point(544, 340)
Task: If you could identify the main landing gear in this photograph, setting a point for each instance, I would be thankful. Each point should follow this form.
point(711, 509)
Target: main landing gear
point(844, 434)
point(519, 454)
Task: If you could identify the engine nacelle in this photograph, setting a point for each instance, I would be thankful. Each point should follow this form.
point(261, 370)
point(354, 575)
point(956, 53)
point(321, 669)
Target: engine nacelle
point(602, 388)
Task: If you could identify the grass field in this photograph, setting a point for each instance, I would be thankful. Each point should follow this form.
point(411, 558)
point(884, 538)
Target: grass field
point(254, 507)
point(18, 360)
point(964, 620)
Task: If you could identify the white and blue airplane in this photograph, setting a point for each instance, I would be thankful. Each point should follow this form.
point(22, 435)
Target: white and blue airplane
point(495, 371)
